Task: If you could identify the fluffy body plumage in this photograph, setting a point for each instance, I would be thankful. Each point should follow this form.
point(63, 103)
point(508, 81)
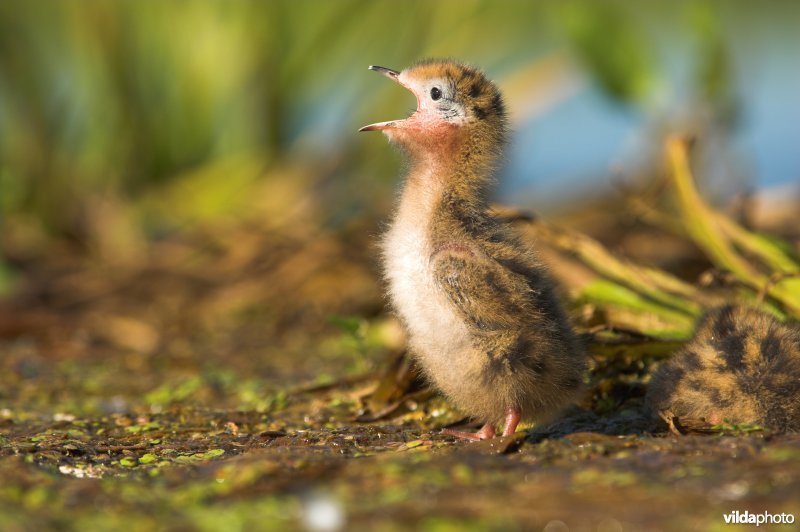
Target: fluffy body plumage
point(481, 313)
point(742, 366)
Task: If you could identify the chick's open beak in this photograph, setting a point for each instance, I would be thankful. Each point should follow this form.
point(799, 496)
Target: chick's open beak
point(388, 72)
point(391, 74)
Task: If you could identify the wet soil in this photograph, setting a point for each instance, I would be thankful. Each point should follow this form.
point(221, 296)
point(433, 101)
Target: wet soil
point(257, 383)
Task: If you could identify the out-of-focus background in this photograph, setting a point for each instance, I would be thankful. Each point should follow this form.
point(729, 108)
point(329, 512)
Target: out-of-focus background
point(120, 121)
point(193, 168)
point(168, 168)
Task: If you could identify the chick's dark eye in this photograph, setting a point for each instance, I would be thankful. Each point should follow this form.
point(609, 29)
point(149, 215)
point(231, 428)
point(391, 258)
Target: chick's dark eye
point(436, 93)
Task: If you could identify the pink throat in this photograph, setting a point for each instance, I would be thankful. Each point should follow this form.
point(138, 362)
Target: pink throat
point(425, 135)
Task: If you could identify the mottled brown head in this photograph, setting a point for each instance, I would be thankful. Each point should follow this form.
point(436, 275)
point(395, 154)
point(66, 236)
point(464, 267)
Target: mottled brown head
point(457, 109)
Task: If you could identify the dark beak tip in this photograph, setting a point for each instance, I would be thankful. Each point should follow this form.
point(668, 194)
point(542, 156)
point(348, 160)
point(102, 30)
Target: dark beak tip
point(388, 72)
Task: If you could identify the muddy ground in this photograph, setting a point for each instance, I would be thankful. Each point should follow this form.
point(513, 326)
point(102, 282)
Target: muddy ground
point(255, 381)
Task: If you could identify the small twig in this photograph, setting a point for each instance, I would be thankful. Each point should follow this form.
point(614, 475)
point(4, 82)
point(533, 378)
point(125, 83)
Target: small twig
point(669, 419)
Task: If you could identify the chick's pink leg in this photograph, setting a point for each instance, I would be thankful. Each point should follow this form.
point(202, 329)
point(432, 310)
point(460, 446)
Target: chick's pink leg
point(486, 432)
point(513, 415)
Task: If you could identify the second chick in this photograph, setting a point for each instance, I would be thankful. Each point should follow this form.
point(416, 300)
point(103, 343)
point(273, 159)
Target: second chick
point(742, 366)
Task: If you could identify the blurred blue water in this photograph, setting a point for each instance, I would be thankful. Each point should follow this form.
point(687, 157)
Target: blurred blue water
point(571, 149)
point(771, 133)
point(566, 151)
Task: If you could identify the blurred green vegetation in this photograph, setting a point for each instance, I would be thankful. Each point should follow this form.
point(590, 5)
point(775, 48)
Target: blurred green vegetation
point(121, 121)
point(118, 99)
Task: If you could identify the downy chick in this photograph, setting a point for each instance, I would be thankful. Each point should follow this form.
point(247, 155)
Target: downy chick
point(742, 366)
point(480, 310)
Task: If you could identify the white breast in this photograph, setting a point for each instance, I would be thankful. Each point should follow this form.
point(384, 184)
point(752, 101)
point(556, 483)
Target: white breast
point(435, 331)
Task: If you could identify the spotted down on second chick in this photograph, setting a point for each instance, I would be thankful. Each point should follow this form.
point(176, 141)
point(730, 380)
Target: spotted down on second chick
point(482, 316)
point(741, 366)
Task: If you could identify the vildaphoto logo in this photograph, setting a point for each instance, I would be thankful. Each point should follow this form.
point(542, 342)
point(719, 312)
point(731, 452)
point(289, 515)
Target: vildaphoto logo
point(764, 518)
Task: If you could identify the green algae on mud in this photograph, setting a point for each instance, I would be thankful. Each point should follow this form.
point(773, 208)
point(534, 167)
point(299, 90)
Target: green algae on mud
point(247, 382)
point(200, 461)
point(202, 468)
